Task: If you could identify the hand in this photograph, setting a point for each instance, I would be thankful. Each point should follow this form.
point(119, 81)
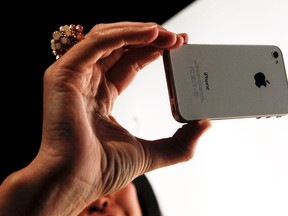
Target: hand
point(84, 152)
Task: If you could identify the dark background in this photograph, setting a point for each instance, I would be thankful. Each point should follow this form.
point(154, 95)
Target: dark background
point(26, 33)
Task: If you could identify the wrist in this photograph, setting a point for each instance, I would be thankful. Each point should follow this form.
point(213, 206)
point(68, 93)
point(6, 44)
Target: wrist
point(33, 191)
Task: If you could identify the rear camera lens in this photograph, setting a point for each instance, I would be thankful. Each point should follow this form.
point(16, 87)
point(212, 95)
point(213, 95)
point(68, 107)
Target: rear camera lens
point(275, 54)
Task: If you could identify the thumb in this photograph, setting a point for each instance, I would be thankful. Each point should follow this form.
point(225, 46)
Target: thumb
point(178, 148)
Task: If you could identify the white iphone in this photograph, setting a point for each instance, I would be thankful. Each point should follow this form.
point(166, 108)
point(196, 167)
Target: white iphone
point(211, 81)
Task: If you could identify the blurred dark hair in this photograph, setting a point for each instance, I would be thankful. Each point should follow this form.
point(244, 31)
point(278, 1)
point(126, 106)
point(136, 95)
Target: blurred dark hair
point(146, 196)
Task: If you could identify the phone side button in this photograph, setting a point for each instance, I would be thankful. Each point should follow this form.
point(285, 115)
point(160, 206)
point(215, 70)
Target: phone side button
point(172, 105)
point(173, 108)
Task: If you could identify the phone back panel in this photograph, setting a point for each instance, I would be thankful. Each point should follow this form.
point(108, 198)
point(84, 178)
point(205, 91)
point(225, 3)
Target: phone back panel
point(226, 81)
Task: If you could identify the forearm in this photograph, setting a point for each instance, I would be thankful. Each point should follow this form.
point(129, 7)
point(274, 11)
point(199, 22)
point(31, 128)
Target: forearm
point(32, 192)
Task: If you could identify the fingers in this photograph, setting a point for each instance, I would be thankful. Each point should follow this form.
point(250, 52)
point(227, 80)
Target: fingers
point(126, 69)
point(178, 148)
point(134, 60)
point(138, 56)
point(121, 48)
point(103, 39)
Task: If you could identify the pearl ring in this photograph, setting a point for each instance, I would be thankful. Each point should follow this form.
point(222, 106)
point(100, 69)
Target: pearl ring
point(65, 38)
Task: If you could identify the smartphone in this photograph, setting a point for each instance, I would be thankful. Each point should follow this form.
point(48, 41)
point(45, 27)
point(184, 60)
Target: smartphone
point(226, 81)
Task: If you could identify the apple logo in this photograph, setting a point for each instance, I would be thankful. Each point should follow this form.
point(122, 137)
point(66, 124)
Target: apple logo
point(260, 80)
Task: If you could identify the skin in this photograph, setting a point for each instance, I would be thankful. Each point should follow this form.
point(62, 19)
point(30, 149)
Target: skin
point(85, 154)
point(121, 203)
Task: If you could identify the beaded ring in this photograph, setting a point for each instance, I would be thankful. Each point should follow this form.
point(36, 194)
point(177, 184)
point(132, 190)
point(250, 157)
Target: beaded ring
point(65, 38)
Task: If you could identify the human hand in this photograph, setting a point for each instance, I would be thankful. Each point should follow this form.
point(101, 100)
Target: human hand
point(84, 152)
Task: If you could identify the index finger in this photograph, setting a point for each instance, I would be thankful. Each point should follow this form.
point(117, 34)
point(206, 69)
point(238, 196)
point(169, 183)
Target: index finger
point(104, 38)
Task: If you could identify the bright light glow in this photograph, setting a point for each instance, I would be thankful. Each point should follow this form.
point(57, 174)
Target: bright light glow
point(241, 166)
